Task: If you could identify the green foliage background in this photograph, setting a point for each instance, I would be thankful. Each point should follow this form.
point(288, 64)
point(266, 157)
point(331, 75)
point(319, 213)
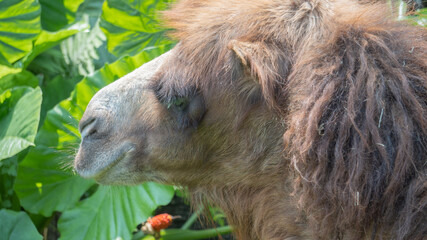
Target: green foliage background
point(54, 56)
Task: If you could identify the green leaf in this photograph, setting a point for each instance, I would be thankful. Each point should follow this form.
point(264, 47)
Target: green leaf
point(113, 212)
point(81, 50)
point(8, 168)
point(131, 26)
point(20, 25)
point(91, 9)
point(19, 118)
point(6, 70)
point(3, 61)
point(58, 14)
point(47, 40)
point(56, 90)
point(43, 185)
point(419, 17)
point(23, 78)
point(50, 64)
point(17, 225)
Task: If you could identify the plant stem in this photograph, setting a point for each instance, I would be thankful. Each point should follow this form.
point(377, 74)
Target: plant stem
point(179, 234)
point(192, 219)
point(200, 234)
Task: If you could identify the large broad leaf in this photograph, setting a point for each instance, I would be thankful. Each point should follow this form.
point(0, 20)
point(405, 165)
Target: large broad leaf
point(20, 78)
point(19, 118)
point(17, 225)
point(8, 169)
point(47, 40)
point(58, 14)
point(91, 9)
point(55, 90)
point(6, 70)
point(19, 26)
point(49, 64)
point(113, 212)
point(42, 184)
point(131, 26)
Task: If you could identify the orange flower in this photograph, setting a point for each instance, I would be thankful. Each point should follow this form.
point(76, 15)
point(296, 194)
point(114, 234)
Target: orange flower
point(160, 221)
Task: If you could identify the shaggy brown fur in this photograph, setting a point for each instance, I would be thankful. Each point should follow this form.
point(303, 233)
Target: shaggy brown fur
point(351, 87)
point(357, 130)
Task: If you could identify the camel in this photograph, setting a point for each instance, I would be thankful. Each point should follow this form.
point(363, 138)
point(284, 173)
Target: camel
point(301, 119)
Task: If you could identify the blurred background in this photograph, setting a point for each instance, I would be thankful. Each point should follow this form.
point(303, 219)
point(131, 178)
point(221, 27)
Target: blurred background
point(54, 56)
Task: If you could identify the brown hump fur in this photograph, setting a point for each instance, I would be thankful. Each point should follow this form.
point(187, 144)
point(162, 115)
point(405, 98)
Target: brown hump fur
point(357, 131)
point(352, 89)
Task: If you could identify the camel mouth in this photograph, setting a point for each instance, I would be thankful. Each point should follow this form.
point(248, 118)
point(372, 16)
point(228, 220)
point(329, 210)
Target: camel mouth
point(106, 169)
point(86, 167)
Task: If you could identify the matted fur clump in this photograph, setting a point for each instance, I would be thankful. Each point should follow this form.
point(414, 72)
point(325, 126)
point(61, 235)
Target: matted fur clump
point(357, 132)
point(351, 87)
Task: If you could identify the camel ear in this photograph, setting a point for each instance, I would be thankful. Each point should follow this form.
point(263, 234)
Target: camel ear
point(266, 62)
point(244, 50)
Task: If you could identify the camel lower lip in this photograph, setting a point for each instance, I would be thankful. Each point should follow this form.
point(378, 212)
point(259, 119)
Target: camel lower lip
point(110, 166)
point(99, 172)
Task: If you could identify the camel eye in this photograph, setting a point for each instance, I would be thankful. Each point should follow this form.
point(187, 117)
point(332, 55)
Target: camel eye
point(180, 103)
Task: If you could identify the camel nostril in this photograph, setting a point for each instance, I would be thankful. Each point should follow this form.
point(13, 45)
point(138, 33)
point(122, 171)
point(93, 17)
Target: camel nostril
point(88, 127)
